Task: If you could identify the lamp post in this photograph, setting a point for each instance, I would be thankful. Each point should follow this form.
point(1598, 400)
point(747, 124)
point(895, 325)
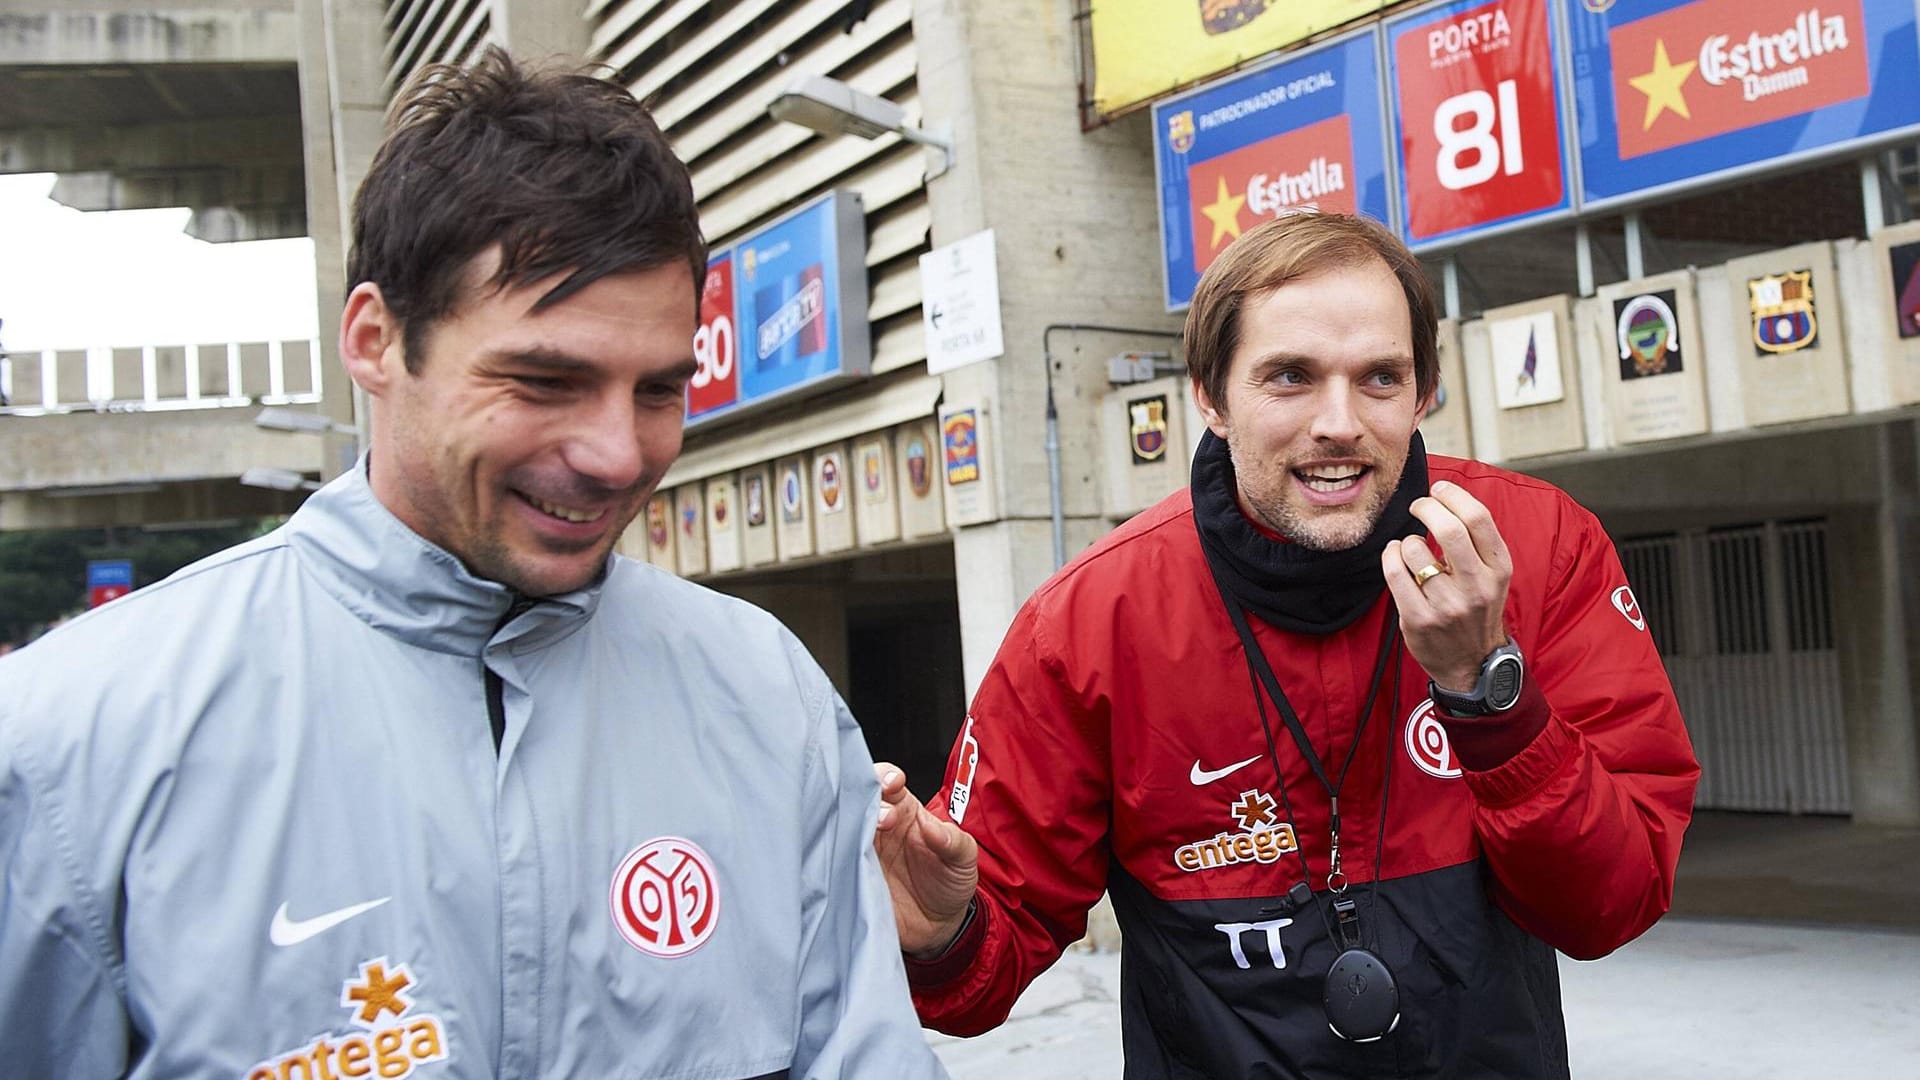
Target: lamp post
point(827, 105)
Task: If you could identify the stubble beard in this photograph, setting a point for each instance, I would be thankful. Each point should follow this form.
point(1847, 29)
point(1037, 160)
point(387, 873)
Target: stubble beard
point(492, 557)
point(1266, 489)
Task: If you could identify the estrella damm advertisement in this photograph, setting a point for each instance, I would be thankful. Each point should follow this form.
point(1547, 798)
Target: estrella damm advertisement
point(1145, 48)
point(1671, 93)
point(1304, 135)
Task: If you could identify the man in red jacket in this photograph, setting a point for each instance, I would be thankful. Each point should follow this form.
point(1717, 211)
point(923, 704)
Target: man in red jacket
point(1355, 737)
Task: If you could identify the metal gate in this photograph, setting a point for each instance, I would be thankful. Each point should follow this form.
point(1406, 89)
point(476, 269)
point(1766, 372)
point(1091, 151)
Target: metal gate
point(1743, 618)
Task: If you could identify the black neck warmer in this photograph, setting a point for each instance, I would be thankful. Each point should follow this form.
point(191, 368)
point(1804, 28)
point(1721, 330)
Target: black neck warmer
point(1285, 584)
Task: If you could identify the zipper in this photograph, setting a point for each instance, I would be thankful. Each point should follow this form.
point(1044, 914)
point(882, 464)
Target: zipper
point(496, 689)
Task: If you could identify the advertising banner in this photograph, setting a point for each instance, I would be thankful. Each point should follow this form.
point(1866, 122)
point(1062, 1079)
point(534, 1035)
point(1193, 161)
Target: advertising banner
point(1303, 135)
point(1476, 118)
point(1145, 48)
point(716, 347)
point(108, 580)
point(1671, 93)
point(798, 293)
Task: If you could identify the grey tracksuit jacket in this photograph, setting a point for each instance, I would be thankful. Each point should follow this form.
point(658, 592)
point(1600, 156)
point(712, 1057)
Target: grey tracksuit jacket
point(255, 825)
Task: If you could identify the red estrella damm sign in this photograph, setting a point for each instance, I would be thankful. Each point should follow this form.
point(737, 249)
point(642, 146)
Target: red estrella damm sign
point(1309, 168)
point(716, 352)
point(1723, 65)
point(1477, 116)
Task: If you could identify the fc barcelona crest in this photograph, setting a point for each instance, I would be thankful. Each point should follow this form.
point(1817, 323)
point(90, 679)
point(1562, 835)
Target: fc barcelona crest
point(1782, 307)
point(1180, 131)
point(1148, 425)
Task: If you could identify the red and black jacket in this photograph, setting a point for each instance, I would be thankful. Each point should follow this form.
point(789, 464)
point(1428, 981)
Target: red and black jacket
point(1114, 744)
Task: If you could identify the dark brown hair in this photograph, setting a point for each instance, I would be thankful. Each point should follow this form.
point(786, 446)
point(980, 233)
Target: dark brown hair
point(1286, 249)
point(565, 173)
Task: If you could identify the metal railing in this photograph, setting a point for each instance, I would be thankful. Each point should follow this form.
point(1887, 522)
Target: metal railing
point(159, 378)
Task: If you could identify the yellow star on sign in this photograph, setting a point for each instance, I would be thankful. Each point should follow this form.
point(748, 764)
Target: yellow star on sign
point(1224, 213)
point(380, 993)
point(1662, 85)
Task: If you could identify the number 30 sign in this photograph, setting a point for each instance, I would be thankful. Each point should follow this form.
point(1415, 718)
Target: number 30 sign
point(1476, 118)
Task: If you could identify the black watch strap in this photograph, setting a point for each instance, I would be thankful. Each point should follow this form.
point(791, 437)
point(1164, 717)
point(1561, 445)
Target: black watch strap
point(1495, 691)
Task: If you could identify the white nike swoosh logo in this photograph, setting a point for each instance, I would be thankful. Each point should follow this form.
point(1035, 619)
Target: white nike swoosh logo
point(1201, 777)
point(285, 931)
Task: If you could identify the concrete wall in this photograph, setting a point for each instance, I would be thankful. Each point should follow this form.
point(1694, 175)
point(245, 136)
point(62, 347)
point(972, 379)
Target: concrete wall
point(1073, 215)
point(166, 504)
point(120, 448)
point(124, 31)
point(1876, 599)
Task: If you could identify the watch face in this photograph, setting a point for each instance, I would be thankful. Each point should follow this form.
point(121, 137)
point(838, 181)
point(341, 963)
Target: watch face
point(1503, 682)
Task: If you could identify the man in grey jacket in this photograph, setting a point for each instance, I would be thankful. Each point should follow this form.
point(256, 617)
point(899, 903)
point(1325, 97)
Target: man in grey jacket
point(428, 780)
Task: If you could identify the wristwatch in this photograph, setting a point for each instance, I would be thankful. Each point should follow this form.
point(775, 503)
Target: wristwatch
point(1501, 674)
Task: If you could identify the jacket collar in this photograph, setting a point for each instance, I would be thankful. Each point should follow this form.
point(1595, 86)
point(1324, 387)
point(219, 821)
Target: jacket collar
point(395, 581)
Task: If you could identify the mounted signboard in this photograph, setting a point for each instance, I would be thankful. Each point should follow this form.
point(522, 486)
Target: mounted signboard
point(832, 500)
point(1144, 48)
point(1476, 119)
point(1447, 427)
point(1522, 371)
point(798, 291)
point(1303, 134)
point(690, 517)
point(757, 514)
point(1786, 320)
point(724, 548)
point(660, 529)
point(1653, 368)
point(1676, 93)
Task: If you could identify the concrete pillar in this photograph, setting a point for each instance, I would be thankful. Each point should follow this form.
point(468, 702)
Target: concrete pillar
point(535, 29)
point(342, 106)
point(1074, 222)
point(1876, 600)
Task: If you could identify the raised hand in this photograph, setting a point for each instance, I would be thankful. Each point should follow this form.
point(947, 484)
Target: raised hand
point(1452, 616)
point(932, 867)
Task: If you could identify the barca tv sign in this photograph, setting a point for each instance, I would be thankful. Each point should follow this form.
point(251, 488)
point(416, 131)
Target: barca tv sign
point(1476, 119)
point(783, 311)
point(1671, 93)
point(1295, 137)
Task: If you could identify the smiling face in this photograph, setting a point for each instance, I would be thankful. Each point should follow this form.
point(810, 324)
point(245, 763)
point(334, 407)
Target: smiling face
point(529, 439)
point(1320, 403)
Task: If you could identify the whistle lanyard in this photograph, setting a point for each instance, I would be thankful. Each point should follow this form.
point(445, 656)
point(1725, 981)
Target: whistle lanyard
point(1260, 672)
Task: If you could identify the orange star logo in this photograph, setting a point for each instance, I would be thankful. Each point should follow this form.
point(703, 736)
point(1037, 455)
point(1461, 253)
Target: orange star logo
point(1254, 810)
point(1663, 85)
point(378, 992)
point(1224, 212)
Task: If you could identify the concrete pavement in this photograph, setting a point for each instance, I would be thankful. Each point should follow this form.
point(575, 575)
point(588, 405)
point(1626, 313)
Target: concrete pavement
point(1694, 998)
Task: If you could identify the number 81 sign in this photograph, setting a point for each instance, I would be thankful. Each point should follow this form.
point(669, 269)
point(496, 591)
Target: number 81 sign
point(1476, 118)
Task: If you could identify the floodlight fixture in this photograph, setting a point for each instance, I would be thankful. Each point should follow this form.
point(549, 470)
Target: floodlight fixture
point(275, 418)
point(265, 476)
point(827, 105)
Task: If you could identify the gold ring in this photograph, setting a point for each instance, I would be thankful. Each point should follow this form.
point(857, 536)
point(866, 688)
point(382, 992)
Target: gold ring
point(1428, 573)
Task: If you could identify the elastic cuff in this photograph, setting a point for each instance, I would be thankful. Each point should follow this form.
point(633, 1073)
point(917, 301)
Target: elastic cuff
point(1488, 742)
point(959, 954)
